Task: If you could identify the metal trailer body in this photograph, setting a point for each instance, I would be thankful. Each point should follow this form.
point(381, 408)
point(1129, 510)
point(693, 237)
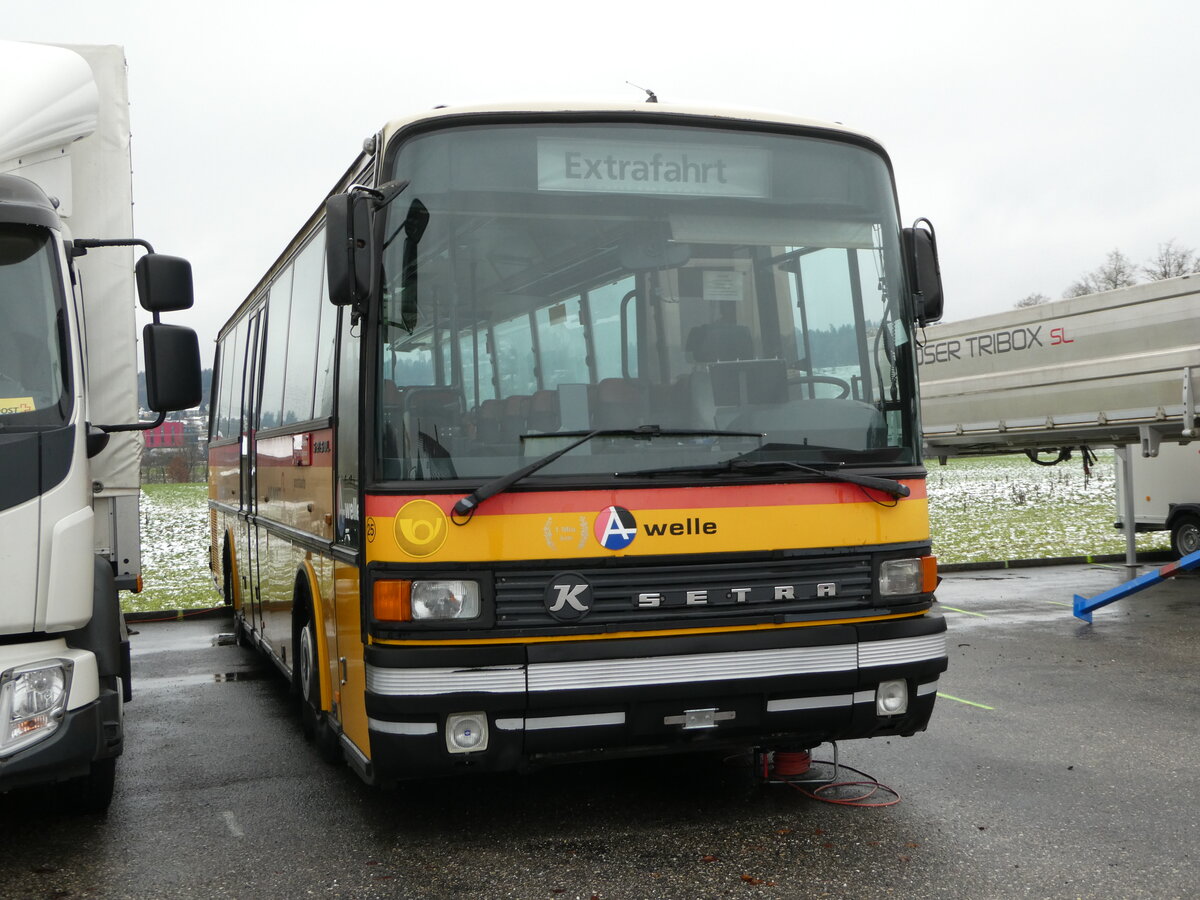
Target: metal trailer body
point(1109, 369)
point(1166, 495)
point(69, 516)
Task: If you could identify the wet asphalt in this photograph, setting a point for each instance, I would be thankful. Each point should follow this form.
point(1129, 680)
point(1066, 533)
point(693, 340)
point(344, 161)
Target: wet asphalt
point(1063, 760)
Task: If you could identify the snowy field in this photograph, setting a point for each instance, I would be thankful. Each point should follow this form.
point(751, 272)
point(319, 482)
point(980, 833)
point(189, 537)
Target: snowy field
point(981, 510)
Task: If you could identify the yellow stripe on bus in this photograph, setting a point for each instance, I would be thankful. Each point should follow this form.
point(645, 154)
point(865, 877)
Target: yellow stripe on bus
point(660, 532)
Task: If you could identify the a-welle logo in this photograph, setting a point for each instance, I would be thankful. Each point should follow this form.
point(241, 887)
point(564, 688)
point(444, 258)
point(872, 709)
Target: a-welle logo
point(421, 528)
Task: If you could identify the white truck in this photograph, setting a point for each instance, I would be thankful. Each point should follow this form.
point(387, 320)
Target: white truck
point(69, 447)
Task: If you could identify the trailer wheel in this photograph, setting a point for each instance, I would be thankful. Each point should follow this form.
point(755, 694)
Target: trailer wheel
point(1185, 534)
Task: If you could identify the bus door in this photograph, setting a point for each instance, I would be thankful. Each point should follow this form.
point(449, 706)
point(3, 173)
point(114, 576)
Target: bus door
point(252, 604)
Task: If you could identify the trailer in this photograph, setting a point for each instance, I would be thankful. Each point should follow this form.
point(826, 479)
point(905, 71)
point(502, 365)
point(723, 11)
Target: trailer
point(69, 448)
point(1109, 369)
point(1114, 369)
point(1166, 495)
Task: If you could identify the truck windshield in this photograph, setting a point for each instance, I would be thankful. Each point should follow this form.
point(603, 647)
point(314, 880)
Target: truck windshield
point(551, 278)
point(32, 375)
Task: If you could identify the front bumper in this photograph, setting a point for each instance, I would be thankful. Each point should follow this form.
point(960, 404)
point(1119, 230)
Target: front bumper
point(559, 700)
point(86, 734)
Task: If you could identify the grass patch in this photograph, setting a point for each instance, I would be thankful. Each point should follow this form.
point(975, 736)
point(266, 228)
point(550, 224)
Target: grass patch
point(175, 540)
point(1006, 507)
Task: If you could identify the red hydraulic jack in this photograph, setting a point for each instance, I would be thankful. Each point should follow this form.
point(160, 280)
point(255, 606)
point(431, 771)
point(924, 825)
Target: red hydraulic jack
point(1084, 606)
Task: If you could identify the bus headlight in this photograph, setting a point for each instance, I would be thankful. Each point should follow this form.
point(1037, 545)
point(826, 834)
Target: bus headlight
point(907, 576)
point(445, 599)
point(33, 700)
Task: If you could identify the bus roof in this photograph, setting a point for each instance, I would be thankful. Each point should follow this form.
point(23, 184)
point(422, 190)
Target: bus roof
point(651, 111)
point(749, 116)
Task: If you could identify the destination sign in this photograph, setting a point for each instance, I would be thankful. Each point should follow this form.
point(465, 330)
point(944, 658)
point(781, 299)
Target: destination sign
point(636, 167)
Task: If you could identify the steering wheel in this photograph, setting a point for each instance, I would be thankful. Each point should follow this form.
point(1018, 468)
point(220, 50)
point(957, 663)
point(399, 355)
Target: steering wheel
point(823, 379)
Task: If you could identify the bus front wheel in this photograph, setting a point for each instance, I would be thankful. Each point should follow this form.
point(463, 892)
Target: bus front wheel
point(313, 719)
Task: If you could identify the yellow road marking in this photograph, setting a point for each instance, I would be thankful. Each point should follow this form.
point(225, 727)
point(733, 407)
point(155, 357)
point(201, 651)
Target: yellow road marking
point(961, 700)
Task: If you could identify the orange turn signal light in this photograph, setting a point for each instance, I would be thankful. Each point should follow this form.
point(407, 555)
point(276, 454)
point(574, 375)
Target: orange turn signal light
point(929, 574)
point(392, 601)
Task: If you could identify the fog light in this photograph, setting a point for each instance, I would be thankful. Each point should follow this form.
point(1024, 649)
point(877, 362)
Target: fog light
point(33, 700)
point(891, 698)
point(466, 732)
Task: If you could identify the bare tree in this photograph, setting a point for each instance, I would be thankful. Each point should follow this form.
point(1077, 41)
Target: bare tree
point(1116, 272)
point(1171, 262)
point(1031, 300)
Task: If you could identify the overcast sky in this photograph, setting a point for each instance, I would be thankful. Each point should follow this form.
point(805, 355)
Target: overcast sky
point(1037, 136)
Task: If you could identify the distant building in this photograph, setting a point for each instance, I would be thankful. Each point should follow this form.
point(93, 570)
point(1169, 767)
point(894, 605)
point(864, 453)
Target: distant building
point(168, 434)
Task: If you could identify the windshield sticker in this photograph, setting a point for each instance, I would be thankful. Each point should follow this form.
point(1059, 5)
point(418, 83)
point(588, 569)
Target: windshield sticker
point(633, 167)
point(615, 528)
point(12, 405)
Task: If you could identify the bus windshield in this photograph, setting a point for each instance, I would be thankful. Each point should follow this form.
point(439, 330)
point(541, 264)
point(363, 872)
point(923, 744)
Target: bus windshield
point(32, 374)
point(548, 280)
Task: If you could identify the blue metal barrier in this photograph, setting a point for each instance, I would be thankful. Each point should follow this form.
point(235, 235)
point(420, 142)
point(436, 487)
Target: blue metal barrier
point(1084, 606)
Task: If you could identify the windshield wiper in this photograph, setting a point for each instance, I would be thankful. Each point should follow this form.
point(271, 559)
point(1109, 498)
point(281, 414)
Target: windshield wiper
point(466, 506)
point(765, 466)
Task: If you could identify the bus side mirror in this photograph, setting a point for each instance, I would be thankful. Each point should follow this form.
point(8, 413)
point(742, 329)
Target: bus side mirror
point(172, 367)
point(349, 249)
point(920, 242)
point(164, 283)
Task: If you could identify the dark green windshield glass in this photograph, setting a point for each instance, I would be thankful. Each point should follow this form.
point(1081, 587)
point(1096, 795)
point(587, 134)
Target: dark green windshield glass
point(32, 377)
point(544, 279)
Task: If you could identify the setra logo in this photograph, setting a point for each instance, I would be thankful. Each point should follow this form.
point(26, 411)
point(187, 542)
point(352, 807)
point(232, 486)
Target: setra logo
point(420, 528)
point(615, 528)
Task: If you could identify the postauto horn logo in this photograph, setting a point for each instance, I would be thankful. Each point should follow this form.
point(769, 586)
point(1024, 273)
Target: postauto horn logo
point(421, 528)
point(615, 528)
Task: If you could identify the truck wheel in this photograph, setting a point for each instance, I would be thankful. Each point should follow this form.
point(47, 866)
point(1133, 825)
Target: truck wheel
point(313, 720)
point(92, 793)
point(1185, 535)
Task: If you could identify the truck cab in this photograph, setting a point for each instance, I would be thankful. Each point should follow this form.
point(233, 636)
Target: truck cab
point(68, 491)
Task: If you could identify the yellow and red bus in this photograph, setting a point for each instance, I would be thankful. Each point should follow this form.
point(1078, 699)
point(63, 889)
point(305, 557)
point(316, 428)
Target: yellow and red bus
point(563, 432)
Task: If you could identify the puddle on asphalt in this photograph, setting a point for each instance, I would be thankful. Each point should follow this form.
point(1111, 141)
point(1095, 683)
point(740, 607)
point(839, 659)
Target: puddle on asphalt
point(175, 682)
point(257, 675)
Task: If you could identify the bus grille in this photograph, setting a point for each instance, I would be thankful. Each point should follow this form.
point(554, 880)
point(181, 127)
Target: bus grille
point(815, 585)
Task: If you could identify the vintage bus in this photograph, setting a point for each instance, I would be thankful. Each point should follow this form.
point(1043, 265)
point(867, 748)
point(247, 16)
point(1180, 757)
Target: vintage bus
point(563, 432)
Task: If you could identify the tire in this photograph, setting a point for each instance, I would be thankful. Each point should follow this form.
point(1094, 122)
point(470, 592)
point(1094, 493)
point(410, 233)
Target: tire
point(313, 719)
point(91, 793)
point(1185, 534)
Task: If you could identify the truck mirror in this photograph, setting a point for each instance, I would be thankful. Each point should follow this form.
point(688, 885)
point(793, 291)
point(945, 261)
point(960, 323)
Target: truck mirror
point(164, 283)
point(349, 250)
point(921, 245)
point(172, 367)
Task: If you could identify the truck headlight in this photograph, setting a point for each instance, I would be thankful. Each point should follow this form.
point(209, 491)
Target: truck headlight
point(33, 700)
point(917, 575)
